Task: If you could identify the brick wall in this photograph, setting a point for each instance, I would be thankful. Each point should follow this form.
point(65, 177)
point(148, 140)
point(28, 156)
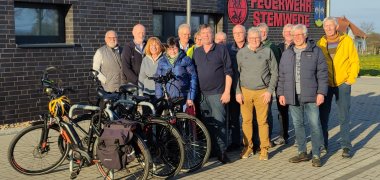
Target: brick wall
point(86, 23)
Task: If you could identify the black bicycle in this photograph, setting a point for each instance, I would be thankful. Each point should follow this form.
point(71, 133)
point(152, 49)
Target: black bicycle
point(163, 140)
point(193, 131)
point(44, 146)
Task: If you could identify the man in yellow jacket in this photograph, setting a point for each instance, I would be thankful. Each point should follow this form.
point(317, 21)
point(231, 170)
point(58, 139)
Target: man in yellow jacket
point(343, 68)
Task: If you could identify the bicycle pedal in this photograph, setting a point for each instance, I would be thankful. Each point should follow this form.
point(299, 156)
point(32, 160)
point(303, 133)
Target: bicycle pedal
point(73, 175)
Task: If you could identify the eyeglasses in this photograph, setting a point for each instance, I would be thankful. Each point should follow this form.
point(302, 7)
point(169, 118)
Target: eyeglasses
point(298, 35)
point(237, 33)
point(254, 38)
point(112, 37)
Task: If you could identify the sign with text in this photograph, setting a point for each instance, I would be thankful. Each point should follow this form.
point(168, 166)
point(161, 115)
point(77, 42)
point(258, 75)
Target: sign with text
point(281, 12)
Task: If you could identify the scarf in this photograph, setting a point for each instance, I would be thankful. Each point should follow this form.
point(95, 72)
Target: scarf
point(172, 60)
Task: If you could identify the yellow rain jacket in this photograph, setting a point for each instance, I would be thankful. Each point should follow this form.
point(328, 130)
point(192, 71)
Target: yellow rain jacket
point(345, 65)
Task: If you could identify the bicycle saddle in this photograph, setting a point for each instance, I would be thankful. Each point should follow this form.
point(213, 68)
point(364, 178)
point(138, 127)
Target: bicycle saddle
point(106, 96)
point(128, 88)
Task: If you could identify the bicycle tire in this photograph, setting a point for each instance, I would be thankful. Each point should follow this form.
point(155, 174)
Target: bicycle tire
point(36, 157)
point(166, 146)
point(197, 145)
point(142, 159)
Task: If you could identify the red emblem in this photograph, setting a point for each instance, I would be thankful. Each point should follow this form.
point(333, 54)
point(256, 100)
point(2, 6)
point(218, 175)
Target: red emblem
point(237, 11)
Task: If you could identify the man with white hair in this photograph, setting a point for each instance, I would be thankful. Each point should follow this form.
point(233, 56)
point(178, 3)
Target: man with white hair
point(185, 43)
point(302, 85)
point(107, 62)
point(133, 54)
point(257, 72)
point(221, 38)
point(343, 69)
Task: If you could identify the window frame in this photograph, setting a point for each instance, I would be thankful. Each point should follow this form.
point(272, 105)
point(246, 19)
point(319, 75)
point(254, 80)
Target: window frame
point(32, 39)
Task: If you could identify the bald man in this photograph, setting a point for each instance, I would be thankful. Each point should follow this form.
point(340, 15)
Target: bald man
point(133, 54)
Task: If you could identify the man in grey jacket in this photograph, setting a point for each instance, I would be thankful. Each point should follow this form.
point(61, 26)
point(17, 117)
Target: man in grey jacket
point(303, 84)
point(107, 63)
point(257, 71)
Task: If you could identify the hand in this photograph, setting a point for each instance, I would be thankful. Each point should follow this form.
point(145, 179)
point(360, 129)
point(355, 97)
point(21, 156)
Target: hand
point(240, 99)
point(225, 98)
point(266, 97)
point(347, 83)
point(189, 103)
point(320, 99)
point(282, 100)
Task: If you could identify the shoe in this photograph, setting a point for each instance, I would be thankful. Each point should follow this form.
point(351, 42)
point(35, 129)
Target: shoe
point(257, 150)
point(279, 141)
point(233, 147)
point(246, 153)
point(299, 158)
point(271, 144)
point(263, 154)
point(295, 143)
point(346, 153)
point(323, 150)
point(223, 158)
point(316, 162)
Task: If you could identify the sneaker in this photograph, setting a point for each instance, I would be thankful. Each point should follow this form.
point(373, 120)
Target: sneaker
point(299, 158)
point(316, 162)
point(346, 153)
point(323, 150)
point(223, 158)
point(263, 154)
point(279, 141)
point(295, 143)
point(246, 153)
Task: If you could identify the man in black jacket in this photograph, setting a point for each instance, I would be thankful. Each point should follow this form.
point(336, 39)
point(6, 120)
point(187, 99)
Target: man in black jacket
point(133, 54)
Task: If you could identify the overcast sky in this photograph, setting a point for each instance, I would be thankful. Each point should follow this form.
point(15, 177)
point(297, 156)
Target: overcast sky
point(358, 11)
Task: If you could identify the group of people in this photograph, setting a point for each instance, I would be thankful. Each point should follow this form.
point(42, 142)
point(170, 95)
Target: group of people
point(227, 82)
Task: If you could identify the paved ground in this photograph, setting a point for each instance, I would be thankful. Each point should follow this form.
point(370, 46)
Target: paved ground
point(365, 164)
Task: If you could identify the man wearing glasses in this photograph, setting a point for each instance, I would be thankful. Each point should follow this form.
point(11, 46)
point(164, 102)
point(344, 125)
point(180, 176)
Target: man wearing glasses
point(257, 72)
point(302, 85)
point(107, 62)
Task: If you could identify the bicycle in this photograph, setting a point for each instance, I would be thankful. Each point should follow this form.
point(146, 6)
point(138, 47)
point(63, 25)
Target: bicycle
point(163, 140)
point(54, 136)
point(193, 131)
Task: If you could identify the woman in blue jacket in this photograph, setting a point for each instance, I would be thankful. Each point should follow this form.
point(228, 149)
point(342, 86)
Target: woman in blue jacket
point(185, 82)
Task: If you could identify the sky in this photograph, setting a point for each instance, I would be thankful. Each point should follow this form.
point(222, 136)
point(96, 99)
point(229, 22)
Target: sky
point(357, 11)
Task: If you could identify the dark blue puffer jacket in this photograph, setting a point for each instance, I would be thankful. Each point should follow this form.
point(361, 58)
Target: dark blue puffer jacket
point(185, 83)
point(313, 74)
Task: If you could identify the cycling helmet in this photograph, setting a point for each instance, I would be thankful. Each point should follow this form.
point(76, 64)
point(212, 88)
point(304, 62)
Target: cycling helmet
point(59, 106)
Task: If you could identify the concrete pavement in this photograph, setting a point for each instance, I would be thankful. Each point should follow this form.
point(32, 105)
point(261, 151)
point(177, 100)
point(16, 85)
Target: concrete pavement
point(365, 163)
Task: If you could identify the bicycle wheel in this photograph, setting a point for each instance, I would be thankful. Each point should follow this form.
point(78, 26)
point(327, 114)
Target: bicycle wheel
point(166, 148)
point(137, 169)
point(197, 141)
point(27, 154)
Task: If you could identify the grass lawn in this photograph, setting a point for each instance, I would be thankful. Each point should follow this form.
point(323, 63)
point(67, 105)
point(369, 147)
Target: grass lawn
point(370, 65)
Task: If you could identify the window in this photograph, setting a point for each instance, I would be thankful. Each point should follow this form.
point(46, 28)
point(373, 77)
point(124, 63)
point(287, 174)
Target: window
point(37, 23)
point(165, 24)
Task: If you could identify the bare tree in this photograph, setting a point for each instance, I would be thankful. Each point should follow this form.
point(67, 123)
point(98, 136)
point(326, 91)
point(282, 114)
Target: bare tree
point(367, 27)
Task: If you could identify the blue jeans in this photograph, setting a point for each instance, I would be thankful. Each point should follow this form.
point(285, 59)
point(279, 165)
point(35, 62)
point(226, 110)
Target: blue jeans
point(343, 100)
point(312, 112)
point(214, 116)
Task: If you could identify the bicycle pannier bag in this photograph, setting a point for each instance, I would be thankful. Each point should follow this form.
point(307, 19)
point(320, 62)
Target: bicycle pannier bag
point(114, 148)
